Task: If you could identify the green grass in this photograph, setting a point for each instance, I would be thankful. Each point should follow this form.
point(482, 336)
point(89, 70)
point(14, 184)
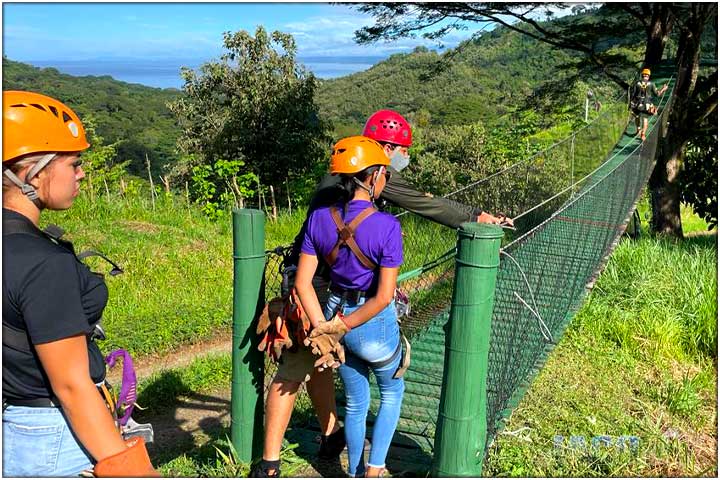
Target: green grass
point(639, 358)
point(169, 257)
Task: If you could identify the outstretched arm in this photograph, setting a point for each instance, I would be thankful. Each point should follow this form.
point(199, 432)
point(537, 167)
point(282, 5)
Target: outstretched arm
point(441, 210)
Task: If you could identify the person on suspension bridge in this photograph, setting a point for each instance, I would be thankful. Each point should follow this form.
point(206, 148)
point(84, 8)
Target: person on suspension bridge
point(296, 364)
point(641, 101)
point(57, 419)
point(363, 249)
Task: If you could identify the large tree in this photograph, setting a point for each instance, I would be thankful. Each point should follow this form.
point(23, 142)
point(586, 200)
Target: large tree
point(254, 108)
point(608, 42)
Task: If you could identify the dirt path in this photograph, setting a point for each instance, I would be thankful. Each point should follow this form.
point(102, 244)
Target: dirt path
point(181, 357)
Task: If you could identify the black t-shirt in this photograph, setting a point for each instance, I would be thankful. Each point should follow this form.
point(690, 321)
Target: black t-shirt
point(48, 293)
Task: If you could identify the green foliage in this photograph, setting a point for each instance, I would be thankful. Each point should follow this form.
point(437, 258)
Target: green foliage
point(482, 80)
point(458, 155)
point(256, 105)
point(657, 298)
point(99, 162)
point(699, 186)
point(132, 117)
point(205, 181)
point(681, 398)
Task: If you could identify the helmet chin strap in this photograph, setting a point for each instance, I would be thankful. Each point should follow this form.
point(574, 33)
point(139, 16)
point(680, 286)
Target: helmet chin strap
point(371, 190)
point(25, 187)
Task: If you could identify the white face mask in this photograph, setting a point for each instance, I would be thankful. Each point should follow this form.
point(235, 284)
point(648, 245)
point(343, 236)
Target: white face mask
point(399, 161)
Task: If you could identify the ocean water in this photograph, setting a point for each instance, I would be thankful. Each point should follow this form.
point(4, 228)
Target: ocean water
point(166, 73)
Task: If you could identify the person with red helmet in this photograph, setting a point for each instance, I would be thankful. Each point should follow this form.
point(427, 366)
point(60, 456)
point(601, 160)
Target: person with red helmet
point(394, 134)
point(56, 423)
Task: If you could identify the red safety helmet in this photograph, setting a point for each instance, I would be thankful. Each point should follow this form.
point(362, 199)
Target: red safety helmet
point(388, 126)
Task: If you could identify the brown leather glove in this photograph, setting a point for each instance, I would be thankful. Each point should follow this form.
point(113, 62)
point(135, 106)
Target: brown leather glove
point(132, 462)
point(332, 360)
point(325, 338)
point(268, 317)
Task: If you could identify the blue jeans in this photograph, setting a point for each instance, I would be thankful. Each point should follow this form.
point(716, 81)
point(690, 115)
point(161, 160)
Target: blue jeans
point(38, 442)
point(373, 342)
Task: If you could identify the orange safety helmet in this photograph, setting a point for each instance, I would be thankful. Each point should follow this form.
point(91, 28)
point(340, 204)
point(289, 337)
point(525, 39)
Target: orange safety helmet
point(34, 123)
point(354, 154)
point(645, 71)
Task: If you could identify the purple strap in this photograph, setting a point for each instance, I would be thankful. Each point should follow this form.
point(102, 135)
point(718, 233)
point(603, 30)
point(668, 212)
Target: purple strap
point(128, 391)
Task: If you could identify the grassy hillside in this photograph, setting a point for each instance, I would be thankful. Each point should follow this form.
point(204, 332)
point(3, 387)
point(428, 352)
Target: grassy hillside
point(177, 285)
point(484, 79)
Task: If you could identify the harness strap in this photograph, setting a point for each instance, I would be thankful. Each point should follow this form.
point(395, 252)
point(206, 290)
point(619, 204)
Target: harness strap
point(346, 236)
point(14, 225)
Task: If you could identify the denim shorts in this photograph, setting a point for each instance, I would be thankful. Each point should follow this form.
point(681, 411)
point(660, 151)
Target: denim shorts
point(38, 442)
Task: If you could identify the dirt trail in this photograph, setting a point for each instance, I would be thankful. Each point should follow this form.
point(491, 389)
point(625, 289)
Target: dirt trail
point(181, 357)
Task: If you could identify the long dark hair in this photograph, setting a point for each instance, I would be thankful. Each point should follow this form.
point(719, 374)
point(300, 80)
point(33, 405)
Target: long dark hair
point(348, 184)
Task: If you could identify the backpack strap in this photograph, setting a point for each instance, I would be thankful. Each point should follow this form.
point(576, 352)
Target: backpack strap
point(346, 236)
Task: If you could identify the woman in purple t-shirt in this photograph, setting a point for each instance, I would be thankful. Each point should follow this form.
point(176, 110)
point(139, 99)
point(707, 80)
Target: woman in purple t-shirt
point(364, 249)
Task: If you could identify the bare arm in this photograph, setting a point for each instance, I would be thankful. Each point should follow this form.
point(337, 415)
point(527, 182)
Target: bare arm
point(303, 285)
point(66, 362)
point(373, 306)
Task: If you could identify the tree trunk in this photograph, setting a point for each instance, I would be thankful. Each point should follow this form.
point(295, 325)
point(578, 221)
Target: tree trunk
point(658, 31)
point(664, 188)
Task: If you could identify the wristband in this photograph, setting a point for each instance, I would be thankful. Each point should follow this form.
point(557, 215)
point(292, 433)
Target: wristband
point(342, 319)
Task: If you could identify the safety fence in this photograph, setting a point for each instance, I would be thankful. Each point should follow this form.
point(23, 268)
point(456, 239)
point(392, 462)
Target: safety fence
point(571, 203)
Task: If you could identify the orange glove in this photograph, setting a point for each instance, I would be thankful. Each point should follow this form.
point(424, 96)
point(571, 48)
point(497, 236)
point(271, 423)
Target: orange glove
point(273, 328)
point(132, 462)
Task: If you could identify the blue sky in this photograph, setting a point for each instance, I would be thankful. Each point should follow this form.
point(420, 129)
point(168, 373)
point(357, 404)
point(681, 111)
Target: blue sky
point(81, 31)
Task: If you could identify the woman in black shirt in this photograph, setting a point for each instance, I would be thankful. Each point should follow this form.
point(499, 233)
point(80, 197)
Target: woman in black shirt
point(55, 423)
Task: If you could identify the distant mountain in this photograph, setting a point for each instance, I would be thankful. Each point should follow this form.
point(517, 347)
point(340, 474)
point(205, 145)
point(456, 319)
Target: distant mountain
point(484, 79)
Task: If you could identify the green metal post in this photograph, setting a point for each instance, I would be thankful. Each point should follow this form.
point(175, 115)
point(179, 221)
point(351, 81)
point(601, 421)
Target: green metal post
point(462, 421)
point(246, 425)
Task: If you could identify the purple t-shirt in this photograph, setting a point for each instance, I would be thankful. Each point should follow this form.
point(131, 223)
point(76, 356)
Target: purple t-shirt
point(378, 236)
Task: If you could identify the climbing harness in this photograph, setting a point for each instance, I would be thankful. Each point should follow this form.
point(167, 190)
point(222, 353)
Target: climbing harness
point(346, 236)
point(639, 102)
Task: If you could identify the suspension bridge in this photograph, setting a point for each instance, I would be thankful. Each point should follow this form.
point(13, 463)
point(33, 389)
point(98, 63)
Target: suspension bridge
point(571, 204)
